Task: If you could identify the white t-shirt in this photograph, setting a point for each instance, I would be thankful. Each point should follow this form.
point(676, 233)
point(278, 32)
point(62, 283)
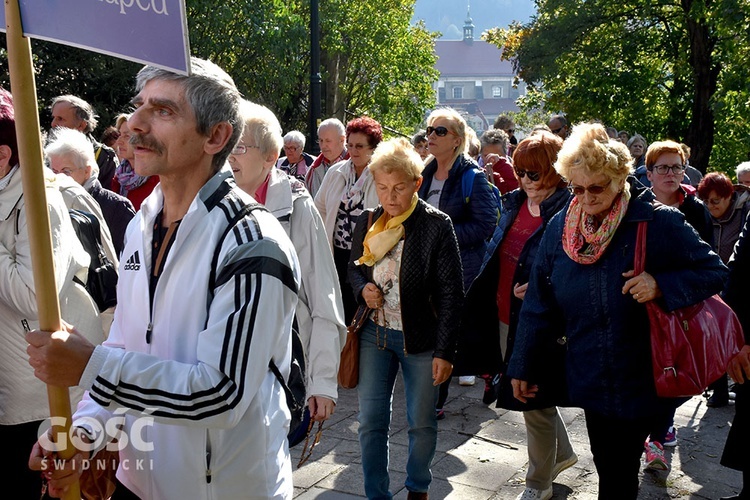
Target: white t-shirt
point(433, 194)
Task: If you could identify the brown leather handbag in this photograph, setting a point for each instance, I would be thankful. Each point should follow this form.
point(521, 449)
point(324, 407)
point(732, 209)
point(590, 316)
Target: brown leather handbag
point(692, 346)
point(348, 375)
point(349, 366)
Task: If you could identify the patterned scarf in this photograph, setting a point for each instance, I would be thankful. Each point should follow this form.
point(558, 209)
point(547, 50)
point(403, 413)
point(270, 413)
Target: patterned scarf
point(384, 234)
point(581, 239)
point(127, 178)
point(354, 189)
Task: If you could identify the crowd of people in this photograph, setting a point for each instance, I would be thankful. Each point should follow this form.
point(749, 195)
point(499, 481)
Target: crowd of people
point(476, 256)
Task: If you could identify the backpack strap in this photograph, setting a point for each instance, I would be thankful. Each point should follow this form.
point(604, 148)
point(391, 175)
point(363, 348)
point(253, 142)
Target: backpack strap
point(467, 183)
point(241, 214)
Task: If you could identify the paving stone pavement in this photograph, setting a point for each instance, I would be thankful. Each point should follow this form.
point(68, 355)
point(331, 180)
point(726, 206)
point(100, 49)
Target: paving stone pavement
point(481, 454)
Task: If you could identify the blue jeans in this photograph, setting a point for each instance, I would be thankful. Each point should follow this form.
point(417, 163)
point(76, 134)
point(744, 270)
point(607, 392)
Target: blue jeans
point(381, 353)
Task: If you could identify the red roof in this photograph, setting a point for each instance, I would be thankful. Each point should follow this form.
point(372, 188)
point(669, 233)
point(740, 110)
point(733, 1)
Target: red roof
point(479, 59)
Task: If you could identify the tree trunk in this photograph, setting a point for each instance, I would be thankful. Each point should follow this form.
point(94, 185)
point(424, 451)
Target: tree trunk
point(700, 134)
point(334, 99)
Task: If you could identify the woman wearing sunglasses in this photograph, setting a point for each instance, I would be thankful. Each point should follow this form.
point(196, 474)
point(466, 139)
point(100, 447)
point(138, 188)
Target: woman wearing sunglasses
point(495, 297)
point(406, 268)
point(582, 286)
point(474, 219)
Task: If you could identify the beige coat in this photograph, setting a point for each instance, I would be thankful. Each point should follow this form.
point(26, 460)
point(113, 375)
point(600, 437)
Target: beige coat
point(23, 398)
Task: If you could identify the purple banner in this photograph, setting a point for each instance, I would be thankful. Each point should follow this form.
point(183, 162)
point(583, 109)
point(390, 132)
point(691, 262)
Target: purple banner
point(147, 31)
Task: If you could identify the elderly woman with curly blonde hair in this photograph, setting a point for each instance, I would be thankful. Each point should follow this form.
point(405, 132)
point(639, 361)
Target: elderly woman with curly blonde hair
point(583, 292)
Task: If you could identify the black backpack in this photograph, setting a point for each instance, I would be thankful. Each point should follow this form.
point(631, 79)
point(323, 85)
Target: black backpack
point(102, 279)
point(295, 385)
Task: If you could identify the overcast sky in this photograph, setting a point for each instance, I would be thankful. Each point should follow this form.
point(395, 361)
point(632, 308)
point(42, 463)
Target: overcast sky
point(448, 16)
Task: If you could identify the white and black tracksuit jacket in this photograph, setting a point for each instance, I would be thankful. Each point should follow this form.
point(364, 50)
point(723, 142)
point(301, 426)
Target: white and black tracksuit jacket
point(220, 416)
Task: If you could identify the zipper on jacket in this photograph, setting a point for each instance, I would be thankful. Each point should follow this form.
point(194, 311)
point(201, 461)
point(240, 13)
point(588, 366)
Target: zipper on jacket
point(208, 459)
point(149, 332)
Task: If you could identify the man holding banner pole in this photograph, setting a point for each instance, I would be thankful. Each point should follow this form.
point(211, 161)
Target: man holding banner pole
point(183, 381)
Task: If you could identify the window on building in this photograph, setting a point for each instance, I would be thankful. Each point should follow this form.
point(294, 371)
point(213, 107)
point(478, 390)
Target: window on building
point(458, 92)
point(497, 91)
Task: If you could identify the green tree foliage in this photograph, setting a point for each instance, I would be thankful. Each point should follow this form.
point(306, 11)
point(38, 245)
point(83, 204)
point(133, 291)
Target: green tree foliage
point(376, 63)
point(663, 68)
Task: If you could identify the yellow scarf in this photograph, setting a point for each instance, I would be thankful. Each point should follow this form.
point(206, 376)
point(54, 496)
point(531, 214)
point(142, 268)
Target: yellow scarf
point(383, 235)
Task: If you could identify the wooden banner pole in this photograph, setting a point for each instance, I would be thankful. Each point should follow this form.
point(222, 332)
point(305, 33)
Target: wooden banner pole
point(30, 157)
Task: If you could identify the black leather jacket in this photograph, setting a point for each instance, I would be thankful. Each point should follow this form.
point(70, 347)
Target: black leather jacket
point(431, 279)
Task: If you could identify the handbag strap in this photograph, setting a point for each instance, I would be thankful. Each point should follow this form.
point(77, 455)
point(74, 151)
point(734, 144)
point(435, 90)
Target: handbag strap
point(639, 262)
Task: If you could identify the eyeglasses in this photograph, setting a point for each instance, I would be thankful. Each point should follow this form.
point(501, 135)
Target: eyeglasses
point(440, 131)
point(664, 169)
point(593, 189)
point(358, 147)
point(241, 149)
point(308, 448)
point(557, 130)
point(714, 201)
point(66, 171)
point(510, 131)
point(533, 174)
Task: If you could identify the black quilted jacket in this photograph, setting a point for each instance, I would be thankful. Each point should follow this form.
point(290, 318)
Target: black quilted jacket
point(431, 278)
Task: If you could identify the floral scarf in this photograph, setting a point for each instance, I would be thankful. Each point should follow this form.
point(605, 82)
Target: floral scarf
point(127, 178)
point(581, 239)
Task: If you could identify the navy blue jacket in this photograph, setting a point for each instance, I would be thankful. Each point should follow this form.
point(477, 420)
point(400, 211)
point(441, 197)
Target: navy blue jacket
point(608, 347)
point(473, 221)
point(479, 346)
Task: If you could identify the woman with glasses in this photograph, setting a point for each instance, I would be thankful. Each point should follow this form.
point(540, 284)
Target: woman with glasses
point(729, 206)
point(407, 269)
point(495, 297)
point(584, 294)
point(474, 217)
point(346, 191)
point(665, 168)
point(319, 314)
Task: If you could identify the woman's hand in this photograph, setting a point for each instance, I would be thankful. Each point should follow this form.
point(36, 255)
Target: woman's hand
point(642, 287)
point(522, 391)
point(491, 159)
point(373, 296)
point(739, 366)
point(441, 370)
point(520, 290)
point(320, 407)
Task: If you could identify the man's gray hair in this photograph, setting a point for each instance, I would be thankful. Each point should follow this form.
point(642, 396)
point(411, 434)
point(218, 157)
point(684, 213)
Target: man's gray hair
point(333, 123)
point(67, 141)
point(743, 168)
point(83, 110)
point(295, 137)
point(212, 95)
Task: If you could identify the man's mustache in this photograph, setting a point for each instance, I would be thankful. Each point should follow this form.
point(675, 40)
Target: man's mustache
point(147, 142)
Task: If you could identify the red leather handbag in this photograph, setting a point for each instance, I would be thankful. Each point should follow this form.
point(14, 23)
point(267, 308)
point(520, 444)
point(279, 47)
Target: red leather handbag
point(690, 347)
